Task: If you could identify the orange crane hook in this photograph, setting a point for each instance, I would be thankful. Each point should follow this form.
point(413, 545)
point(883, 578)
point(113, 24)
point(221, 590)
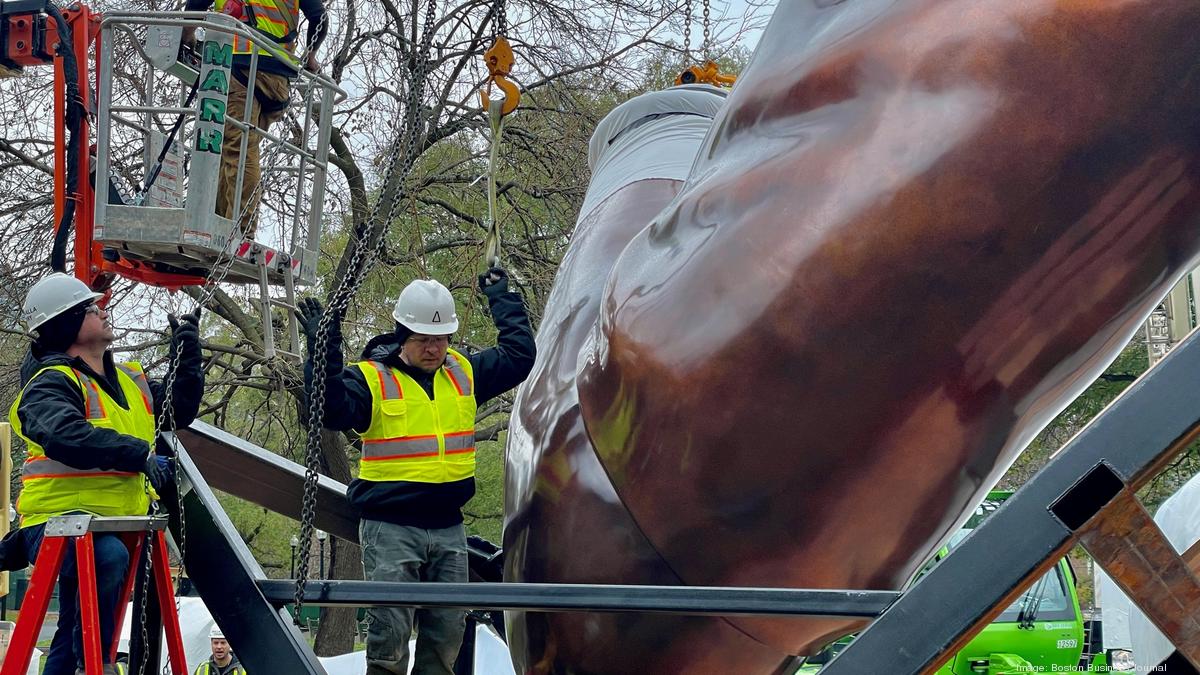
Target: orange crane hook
point(500, 59)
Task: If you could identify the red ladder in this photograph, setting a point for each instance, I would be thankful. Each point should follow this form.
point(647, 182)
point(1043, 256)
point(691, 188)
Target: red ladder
point(133, 531)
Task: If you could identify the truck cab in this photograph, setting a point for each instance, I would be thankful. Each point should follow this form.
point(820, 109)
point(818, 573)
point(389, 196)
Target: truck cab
point(1041, 631)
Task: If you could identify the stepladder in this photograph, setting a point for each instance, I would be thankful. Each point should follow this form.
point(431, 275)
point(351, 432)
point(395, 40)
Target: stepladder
point(138, 533)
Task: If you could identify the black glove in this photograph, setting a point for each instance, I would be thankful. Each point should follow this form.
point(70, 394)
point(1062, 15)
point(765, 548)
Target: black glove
point(155, 471)
point(185, 331)
point(494, 282)
point(310, 319)
point(310, 312)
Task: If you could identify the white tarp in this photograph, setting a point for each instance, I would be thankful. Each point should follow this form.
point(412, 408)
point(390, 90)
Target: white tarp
point(1115, 609)
point(195, 622)
point(652, 136)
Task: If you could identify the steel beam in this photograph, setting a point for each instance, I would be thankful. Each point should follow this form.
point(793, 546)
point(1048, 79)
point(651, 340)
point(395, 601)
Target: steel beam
point(226, 575)
point(1122, 449)
point(247, 471)
point(697, 600)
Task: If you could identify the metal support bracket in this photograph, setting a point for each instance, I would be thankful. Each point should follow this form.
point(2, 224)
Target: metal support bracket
point(1067, 501)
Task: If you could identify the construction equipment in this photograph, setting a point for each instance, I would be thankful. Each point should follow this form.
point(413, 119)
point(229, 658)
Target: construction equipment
point(78, 530)
point(147, 212)
point(709, 73)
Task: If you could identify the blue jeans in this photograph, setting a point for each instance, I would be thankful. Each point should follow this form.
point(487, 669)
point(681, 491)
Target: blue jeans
point(400, 553)
point(112, 564)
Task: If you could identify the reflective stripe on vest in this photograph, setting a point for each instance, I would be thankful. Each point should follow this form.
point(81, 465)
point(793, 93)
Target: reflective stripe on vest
point(135, 373)
point(276, 19)
point(206, 669)
point(44, 467)
point(52, 488)
point(413, 438)
point(458, 376)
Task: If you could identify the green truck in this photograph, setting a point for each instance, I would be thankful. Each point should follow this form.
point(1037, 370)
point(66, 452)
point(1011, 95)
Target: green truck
point(1043, 631)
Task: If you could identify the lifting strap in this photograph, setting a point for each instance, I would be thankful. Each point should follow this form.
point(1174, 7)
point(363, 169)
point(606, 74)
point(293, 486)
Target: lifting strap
point(499, 59)
point(491, 242)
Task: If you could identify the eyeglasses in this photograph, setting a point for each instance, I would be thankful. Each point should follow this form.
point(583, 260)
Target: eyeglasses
point(92, 309)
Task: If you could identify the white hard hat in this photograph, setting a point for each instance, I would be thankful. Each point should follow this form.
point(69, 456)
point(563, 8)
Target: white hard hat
point(215, 633)
point(426, 307)
point(53, 295)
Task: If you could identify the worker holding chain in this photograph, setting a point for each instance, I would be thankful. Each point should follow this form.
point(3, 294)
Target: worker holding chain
point(412, 399)
point(90, 425)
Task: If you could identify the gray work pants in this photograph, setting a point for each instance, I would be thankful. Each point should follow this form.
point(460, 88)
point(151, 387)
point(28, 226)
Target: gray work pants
point(401, 553)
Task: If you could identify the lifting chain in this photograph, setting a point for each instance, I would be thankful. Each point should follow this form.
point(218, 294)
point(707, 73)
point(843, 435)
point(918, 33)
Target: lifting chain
point(709, 72)
point(361, 261)
point(687, 33)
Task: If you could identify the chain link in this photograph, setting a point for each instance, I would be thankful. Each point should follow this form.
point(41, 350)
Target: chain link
point(501, 18)
point(687, 33)
point(706, 46)
point(361, 261)
point(148, 552)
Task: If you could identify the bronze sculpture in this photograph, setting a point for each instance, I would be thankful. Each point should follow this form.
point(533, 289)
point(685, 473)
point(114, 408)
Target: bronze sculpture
point(916, 230)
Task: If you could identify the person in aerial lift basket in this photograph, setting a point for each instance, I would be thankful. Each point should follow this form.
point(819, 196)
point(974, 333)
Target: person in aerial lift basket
point(90, 426)
point(277, 21)
point(413, 401)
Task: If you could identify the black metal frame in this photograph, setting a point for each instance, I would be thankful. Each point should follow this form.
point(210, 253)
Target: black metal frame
point(1122, 449)
point(227, 575)
point(697, 600)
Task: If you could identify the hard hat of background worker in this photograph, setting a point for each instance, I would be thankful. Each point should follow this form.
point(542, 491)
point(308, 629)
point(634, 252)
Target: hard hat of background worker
point(54, 309)
point(426, 307)
point(216, 633)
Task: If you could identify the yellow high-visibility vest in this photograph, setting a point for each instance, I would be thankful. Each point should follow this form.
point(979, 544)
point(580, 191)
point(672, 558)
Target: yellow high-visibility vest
point(51, 488)
point(277, 19)
point(206, 669)
point(412, 438)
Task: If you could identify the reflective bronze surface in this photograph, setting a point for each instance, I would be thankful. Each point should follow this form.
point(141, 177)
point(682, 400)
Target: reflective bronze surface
point(564, 522)
point(917, 231)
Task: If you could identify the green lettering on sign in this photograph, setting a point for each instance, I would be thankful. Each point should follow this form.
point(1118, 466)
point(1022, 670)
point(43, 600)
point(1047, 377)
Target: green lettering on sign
point(218, 54)
point(208, 141)
point(212, 110)
point(216, 80)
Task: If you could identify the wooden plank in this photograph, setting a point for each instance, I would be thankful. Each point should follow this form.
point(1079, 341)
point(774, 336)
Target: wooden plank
point(1131, 548)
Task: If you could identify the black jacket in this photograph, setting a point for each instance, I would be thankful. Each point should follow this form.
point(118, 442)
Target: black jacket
point(52, 410)
point(348, 407)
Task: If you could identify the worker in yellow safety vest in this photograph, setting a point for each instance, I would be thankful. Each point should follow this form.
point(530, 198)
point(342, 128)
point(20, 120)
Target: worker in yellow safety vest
point(223, 661)
point(90, 426)
point(276, 21)
point(413, 400)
